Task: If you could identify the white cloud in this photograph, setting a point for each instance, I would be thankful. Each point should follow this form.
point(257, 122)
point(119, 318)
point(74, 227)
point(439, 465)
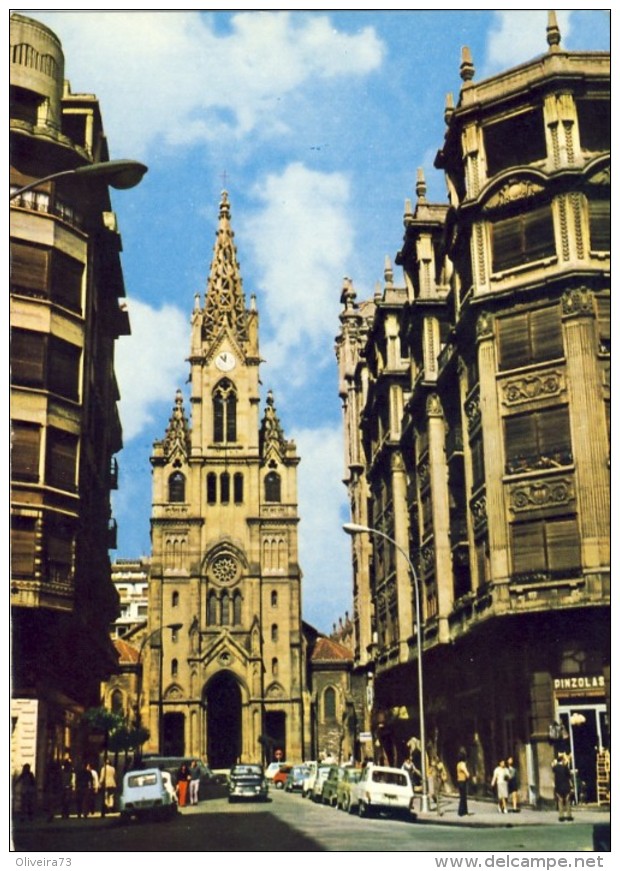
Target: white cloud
point(301, 240)
point(169, 76)
point(149, 366)
point(324, 550)
point(518, 35)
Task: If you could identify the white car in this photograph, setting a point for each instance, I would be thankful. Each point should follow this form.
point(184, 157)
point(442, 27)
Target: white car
point(312, 766)
point(316, 787)
point(382, 789)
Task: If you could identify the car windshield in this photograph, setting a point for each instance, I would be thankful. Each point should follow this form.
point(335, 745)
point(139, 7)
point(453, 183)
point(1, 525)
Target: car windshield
point(244, 770)
point(394, 778)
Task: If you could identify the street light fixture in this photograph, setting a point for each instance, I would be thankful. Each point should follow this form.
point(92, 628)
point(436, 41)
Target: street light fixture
point(353, 529)
point(175, 627)
point(120, 174)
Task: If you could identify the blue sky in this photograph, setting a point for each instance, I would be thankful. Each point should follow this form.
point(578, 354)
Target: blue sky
point(316, 123)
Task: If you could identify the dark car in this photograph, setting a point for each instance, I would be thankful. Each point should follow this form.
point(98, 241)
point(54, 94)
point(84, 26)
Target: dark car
point(247, 781)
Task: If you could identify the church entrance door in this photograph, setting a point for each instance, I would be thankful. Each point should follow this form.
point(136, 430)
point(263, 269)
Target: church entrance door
point(223, 702)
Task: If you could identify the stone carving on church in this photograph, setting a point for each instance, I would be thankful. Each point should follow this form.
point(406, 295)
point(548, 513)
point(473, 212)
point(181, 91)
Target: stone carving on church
point(177, 438)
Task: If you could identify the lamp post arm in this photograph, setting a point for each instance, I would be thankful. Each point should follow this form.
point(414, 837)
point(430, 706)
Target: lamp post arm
point(120, 174)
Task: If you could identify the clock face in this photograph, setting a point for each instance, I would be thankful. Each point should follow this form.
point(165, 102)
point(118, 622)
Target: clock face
point(225, 361)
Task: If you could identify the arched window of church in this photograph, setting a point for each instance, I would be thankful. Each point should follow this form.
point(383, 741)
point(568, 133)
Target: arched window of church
point(176, 487)
point(175, 599)
point(273, 487)
point(211, 488)
point(274, 666)
point(212, 609)
point(238, 488)
point(225, 412)
point(174, 668)
point(225, 609)
point(116, 702)
point(329, 703)
point(274, 598)
point(225, 488)
point(236, 608)
point(274, 632)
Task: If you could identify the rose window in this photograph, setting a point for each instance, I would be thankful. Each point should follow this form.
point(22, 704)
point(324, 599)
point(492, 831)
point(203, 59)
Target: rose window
point(224, 569)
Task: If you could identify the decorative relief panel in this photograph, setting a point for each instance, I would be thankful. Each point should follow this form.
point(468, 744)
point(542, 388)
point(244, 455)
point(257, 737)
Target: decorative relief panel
point(542, 385)
point(531, 495)
point(578, 301)
point(479, 512)
point(514, 190)
point(472, 410)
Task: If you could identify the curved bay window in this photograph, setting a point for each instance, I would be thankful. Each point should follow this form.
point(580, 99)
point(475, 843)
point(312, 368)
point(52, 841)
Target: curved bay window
point(225, 412)
point(273, 487)
point(176, 487)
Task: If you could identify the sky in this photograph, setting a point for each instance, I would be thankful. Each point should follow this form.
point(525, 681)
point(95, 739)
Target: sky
point(316, 123)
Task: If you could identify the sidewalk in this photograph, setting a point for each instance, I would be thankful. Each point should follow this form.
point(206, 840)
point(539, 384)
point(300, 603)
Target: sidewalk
point(484, 814)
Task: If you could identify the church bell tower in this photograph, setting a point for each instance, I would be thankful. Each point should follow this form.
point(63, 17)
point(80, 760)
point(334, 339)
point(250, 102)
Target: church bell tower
point(229, 683)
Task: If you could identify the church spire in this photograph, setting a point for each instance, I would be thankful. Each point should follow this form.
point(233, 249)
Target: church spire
point(272, 439)
point(225, 301)
point(177, 439)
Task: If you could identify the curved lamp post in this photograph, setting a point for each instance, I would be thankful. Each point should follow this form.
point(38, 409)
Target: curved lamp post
point(353, 529)
point(173, 626)
point(120, 174)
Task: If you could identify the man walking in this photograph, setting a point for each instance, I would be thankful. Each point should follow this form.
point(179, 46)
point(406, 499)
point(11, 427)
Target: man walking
point(194, 782)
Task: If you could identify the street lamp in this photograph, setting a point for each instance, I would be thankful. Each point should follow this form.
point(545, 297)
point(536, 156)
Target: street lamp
point(353, 529)
point(120, 174)
point(175, 627)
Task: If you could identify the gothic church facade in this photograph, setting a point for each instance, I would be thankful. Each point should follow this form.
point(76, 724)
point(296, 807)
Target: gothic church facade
point(225, 676)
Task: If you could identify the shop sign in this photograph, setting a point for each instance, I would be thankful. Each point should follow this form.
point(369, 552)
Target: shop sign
point(578, 685)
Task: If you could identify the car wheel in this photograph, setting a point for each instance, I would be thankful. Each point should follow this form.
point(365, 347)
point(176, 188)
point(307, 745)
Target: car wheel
point(362, 809)
point(350, 808)
point(279, 785)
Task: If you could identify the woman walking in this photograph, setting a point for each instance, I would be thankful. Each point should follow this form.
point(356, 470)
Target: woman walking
point(462, 777)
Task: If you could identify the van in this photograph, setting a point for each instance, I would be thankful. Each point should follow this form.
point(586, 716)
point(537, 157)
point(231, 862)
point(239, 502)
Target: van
point(147, 793)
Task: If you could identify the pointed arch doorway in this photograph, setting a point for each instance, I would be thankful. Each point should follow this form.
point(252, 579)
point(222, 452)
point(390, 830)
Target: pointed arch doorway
point(223, 703)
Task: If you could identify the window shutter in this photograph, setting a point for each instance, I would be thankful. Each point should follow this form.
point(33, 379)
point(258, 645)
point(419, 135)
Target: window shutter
point(22, 546)
point(29, 267)
point(546, 334)
point(506, 236)
point(67, 281)
point(28, 358)
point(218, 418)
point(563, 544)
point(64, 368)
point(61, 459)
point(528, 548)
point(600, 225)
point(553, 427)
point(231, 418)
point(25, 451)
point(513, 346)
point(520, 434)
point(539, 240)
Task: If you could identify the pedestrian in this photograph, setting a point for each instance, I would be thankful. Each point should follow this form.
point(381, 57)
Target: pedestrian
point(83, 790)
point(194, 782)
point(93, 792)
point(562, 786)
point(462, 778)
point(67, 776)
point(500, 783)
point(107, 784)
point(183, 779)
point(437, 777)
point(513, 785)
point(26, 793)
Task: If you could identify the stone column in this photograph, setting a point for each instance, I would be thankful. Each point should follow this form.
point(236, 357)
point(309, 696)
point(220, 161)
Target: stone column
point(441, 513)
point(588, 427)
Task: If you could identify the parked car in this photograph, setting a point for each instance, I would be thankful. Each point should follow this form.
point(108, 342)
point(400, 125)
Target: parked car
point(281, 776)
point(295, 778)
point(316, 793)
point(247, 781)
point(147, 793)
point(330, 787)
point(381, 789)
point(309, 778)
point(350, 776)
point(272, 769)
point(211, 786)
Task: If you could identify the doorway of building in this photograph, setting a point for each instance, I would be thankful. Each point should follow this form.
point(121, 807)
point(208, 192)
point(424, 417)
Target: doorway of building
point(587, 728)
point(275, 729)
point(223, 704)
point(173, 735)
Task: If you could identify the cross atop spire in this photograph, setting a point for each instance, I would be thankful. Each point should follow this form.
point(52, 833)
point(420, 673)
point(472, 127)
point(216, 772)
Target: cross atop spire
point(225, 300)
